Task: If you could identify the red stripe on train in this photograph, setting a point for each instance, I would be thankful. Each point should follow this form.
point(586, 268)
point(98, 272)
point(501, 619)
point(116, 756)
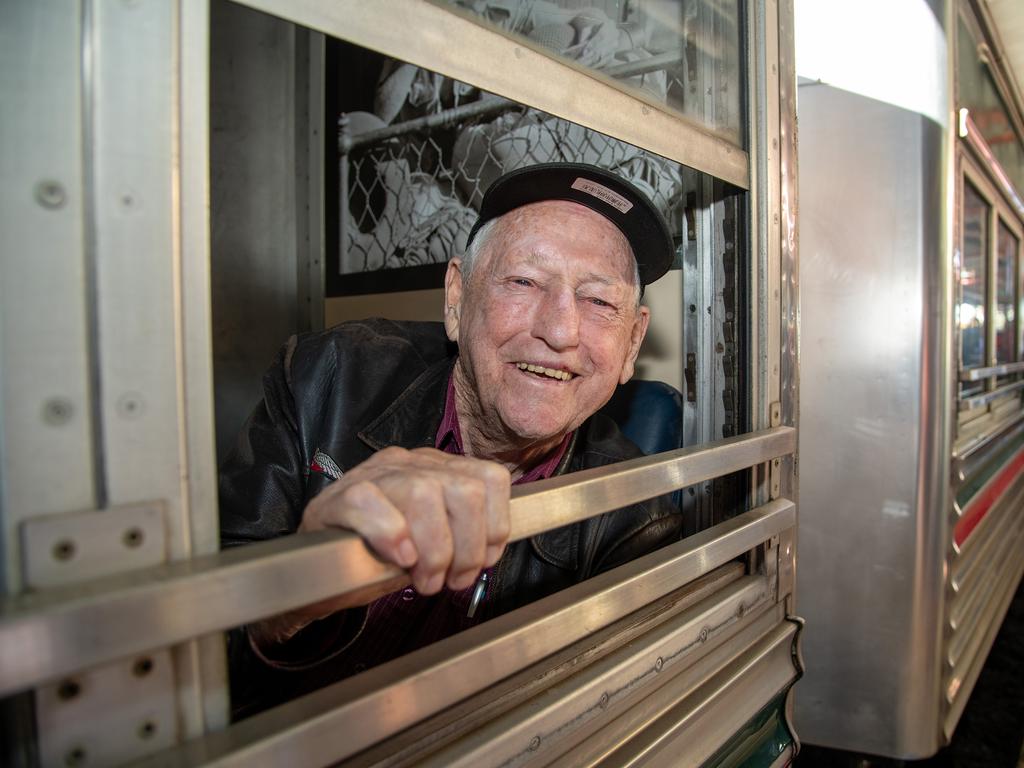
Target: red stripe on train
point(982, 503)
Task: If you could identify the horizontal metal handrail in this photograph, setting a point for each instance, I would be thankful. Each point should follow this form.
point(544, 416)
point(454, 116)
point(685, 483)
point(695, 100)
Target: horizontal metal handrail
point(346, 717)
point(970, 403)
point(975, 453)
point(977, 374)
point(49, 634)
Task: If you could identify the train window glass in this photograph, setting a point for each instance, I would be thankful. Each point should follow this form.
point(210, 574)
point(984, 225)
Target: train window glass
point(973, 281)
point(1006, 295)
point(682, 53)
point(979, 94)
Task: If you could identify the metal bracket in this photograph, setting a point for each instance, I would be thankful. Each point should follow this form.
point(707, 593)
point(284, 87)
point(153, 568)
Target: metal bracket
point(80, 546)
point(775, 468)
point(116, 712)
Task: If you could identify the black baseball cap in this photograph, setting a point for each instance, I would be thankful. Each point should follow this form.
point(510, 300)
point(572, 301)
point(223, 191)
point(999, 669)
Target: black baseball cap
point(602, 191)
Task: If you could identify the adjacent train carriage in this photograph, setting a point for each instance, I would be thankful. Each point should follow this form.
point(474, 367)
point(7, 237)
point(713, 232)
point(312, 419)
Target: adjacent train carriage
point(912, 439)
point(186, 183)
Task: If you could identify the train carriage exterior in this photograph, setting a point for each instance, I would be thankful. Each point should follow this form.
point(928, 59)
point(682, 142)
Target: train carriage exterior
point(185, 183)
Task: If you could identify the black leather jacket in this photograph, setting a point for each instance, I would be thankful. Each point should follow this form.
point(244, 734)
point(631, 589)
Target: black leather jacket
point(353, 390)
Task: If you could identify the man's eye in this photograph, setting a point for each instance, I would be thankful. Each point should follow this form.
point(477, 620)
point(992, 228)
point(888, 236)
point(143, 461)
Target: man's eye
point(599, 302)
point(522, 281)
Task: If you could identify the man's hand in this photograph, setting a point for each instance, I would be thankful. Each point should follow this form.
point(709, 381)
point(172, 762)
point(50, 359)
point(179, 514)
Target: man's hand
point(442, 517)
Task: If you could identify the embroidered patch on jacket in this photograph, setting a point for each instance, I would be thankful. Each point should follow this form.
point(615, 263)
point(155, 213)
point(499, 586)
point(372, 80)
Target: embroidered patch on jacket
point(325, 465)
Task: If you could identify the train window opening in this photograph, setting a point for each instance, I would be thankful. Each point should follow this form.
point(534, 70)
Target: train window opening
point(408, 154)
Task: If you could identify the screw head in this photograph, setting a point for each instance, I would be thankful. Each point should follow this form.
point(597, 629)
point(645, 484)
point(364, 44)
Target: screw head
point(142, 667)
point(64, 550)
point(133, 537)
point(68, 689)
point(57, 411)
point(50, 194)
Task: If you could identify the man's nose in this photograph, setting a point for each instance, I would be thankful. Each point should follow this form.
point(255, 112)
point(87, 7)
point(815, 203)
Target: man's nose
point(557, 320)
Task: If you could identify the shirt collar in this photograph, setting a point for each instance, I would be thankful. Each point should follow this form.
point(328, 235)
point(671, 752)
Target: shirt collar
point(449, 440)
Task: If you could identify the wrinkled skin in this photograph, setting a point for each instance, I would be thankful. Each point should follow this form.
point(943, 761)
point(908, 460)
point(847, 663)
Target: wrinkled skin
point(553, 287)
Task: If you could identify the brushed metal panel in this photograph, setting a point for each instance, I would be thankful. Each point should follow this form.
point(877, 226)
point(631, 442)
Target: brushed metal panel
point(693, 730)
point(46, 407)
point(874, 452)
point(551, 724)
point(404, 749)
point(960, 683)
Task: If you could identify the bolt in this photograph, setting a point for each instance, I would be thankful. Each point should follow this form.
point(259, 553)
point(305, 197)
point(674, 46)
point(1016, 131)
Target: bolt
point(704, 632)
point(57, 411)
point(535, 743)
point(142, 667)
point(68, 689)
point(133, 537)
point(658, 664)
point(64, 550)
point(604, 700)
point(50, 194)
point(693, 307)
point(129, 405)
point(147, 730)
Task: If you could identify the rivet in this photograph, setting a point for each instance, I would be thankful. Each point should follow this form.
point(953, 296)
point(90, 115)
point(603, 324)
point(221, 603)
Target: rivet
point(604, 700)
point(50, 194)
point(133, 537)
point(147, 730)
point(693, 307)
point(75, 757)
point(57, 411)
point(534, 743)
point(142, 666)
point(64, 550)
point(704, 632)
point(658, 664)
point(68, 689)
point(129, 405)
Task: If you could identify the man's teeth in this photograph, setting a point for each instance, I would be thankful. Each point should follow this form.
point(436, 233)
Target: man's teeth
point(562, 375)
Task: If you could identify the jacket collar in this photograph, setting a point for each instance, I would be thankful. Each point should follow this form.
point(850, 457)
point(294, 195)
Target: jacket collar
point(412, 420)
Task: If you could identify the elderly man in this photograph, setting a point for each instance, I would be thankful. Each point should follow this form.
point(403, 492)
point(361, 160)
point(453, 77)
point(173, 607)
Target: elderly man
point(410, 434)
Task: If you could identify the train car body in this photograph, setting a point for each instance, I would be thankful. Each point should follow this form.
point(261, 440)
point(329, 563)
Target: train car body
point(911, 506)
point(185, 184)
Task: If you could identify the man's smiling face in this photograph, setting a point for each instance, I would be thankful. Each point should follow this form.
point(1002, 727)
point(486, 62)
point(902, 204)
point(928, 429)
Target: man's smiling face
point(547, 322)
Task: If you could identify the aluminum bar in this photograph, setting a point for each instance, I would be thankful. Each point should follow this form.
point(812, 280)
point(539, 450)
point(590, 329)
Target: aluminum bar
point(49, 634)
point(977, 374)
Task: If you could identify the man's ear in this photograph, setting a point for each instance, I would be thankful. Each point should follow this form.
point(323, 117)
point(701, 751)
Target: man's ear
point(453, 298)
point(636, 338)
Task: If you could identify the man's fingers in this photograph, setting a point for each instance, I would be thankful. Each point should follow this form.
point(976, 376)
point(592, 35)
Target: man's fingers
point(420, 497)
point(365, 509)
point(442, 517)
point(465, 499)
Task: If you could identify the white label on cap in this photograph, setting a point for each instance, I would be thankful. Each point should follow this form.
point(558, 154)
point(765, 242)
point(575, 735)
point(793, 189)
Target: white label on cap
point(601, 192)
